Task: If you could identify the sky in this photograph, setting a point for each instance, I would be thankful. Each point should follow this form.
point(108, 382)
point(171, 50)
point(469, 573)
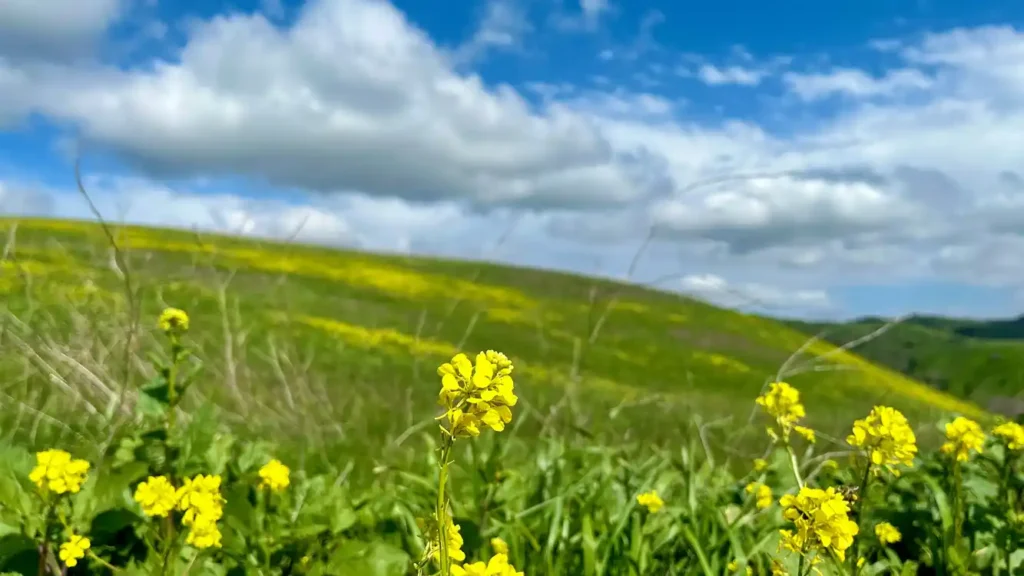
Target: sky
point(802, 159)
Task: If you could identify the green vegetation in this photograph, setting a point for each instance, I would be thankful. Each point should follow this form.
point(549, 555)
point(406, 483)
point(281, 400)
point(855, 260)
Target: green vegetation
point(635, 446)
point(981, 361)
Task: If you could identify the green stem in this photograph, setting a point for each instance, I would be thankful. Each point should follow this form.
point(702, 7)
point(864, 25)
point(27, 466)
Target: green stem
point(1005, 496)
point(44, 550)
point(958, 509)
point(795, 466)
point(172, 377)
point(860, 511)
point(442, 509)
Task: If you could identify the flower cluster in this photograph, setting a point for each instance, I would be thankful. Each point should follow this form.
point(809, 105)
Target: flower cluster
point(477, 393)
point(497, 566)
point(275, 476)
point(1011, 433)
point(651, 501)
point(963, 437)
point(173, 321)
point(887, 533)
point(74, 550)
point(782, 402)
point(821, 518)
point(57, 472)
point(762, 494)
point(198, 498)
point(886, 437)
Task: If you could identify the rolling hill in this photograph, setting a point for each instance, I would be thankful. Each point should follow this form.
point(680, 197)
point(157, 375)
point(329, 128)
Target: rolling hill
point(316, 346)
point(982, 361)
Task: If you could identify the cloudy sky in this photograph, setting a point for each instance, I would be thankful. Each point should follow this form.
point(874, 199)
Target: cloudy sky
point(798, 158)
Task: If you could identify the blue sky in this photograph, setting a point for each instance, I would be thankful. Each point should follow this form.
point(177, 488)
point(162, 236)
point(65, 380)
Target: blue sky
point(803, 159)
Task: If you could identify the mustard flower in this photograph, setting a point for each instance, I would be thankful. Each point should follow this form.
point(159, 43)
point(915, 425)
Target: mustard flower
point(887, 533)
point(173, 320)
point(963, 437)
point(733, 566)
point(497, 566)
point(477, 393)
point(821, 519)
point(651, 501)
point(886, 437)
point(782, 403)
point(762, 494)
point(760, 464)
point(200, 499)
point(778, 568)
point(57, 472)
point(274, 475)
point(500, 546)
point(453, 534)
point(157, 496)
point(1011, 433)
point(74, 550)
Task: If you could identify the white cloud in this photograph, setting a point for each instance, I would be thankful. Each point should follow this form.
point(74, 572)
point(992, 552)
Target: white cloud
point(502, 26)
point(53, 28)
point(739, 75)
point(855, 83)
point(391, 118)
point(719, 291)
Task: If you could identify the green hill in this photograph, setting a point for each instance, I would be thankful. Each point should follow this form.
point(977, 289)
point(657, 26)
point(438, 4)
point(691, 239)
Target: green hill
point(982, 361)
point(325, 346)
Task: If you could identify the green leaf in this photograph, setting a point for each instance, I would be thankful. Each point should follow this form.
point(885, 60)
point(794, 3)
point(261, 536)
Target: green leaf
point(18, 554)
point(108, 523)
point(357, 558)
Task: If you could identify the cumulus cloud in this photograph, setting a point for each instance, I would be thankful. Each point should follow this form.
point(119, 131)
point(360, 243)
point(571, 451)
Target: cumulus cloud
point(53, 29)
point(739, 75)
point(855, 83)
point(718, 290)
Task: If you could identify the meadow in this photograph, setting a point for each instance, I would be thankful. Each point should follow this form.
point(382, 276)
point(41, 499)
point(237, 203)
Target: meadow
point(634, 444)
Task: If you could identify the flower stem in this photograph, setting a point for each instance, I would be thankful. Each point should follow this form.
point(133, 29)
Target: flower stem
point(172, 377)
point(795, 466)
point(442, 507)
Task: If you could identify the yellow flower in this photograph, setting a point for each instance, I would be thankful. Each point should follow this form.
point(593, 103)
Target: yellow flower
point(74, 550)
point(963, 436)
point(651, 501)
point(156, 496)
point(806, 432)
point(203, 533)
point(474, 394)
point(760, 464)
point(453, 540)
point(887, 533)
point(497, 566)
point(886, 437)
point(821, 520)
point(274, 475)
point(763, 494)
point(782, 402)
point(173, 320)
point(500, 546)
point(57, 472)
point(1012, 434)
point(778, 569)
point(200, 499)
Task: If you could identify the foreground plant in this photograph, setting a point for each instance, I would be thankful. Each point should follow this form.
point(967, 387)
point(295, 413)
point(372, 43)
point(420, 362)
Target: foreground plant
point(472, 394)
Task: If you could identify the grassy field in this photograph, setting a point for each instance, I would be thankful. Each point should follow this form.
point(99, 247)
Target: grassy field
point(328, 360)
point(342, 346)
point(981, 361)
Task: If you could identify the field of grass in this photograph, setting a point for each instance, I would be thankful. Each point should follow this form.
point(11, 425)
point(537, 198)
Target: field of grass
point(328, 360)
point(981, 361)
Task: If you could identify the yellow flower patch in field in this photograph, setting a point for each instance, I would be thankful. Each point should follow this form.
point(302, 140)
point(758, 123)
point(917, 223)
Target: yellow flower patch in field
point(375, 338)
point(888, 380)
point(720, 361)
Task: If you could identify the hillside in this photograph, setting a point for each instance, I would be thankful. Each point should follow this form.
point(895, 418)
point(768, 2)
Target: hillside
point(982, 361)
point(327, 346)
